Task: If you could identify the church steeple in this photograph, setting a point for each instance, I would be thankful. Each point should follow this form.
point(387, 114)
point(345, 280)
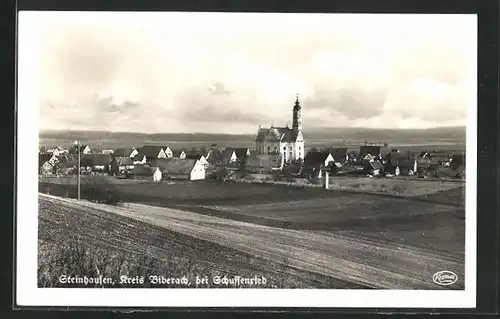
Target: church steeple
point(297, 116)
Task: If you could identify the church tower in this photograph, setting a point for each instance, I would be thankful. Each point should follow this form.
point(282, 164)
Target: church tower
point(297, 116)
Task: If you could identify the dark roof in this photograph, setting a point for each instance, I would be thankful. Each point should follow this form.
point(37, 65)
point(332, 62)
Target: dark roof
point(316, 157)
point(139, 157)
point(369, 149)
point(220, 156)
point(124, 160)
point(263, 161)
point(74, 149)
point(376, 165)
point(339, 154)
point(285, 134)
point(194, 154)
point(176, 165)
point(143, 170)
point(123, 151)
point(150, 151)
point(96, 159)
point(177, 153)
point(42, 158)
point(241, 152)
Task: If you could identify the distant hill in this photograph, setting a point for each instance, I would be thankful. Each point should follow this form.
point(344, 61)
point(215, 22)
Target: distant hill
point(456, 134)
point(451, 134)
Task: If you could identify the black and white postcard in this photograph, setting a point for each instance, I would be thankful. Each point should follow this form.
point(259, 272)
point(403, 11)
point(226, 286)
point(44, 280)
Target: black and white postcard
point(182, 159)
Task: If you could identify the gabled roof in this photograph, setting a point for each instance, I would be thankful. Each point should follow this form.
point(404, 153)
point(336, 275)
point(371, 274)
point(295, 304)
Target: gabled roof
point(194, 154)
point(139, 157)
point(96, 159)
point(123, 151)
point(241, 152)
point(220, 156)
point(143, 170)
point(176, 165)
point(316, 157)
point(150, 151)
point(376, 165)
point(339, 154)
point(124, 160)
point(263, 161)
point(177, 152)
point(285, 134)
point(369, 149)
point(74, 149)
point(42, 158)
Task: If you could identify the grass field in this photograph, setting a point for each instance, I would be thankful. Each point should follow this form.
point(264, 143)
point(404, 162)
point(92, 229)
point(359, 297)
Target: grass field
point(343, 256)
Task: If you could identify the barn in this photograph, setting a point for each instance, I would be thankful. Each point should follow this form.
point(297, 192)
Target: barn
point(147, 173)
point(186, 169)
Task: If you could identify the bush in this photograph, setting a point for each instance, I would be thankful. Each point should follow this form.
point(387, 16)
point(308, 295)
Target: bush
point(100, 190)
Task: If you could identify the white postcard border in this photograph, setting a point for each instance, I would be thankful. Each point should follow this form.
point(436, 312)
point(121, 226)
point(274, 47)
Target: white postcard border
point(27, 293)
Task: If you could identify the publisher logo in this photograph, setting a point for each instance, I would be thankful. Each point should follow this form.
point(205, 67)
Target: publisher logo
point(445, 278)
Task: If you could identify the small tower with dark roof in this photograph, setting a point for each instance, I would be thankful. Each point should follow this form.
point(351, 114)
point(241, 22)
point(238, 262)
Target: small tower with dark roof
point(297, 116)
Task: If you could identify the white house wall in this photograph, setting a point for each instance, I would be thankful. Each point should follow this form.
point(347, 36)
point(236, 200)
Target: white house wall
point(162, 154)
point(157, 175)
point(168, 152)
point(198, 172)
point(134, 153)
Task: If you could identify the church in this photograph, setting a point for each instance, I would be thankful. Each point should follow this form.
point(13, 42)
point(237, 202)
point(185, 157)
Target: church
point(288, 142)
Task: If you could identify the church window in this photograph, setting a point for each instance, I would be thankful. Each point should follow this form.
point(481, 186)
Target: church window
point(284, 148)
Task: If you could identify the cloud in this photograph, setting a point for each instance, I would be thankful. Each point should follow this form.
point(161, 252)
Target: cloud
point(175, 74)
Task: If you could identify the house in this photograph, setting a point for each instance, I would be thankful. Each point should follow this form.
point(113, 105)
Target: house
point(424, 154)
point(241, 153)
point(199, 157)
point(98, 162)
point(125, 152)
point(405, 161)
point(317, 161)
point(45, 165)
point(222, 157)
point(372, 150)
point(57, 151)
point(339, 154)
point(374, 168)
point(315, 158)
point(179, 154)
point(144, 172)
point(263, 163)
point(107, 152)
point(66, 164)
point(151, 152)
point(168, 151)
point(177, 168)
point(285, 141)
point(124, 163)
point(139, 159)
point(84, 149)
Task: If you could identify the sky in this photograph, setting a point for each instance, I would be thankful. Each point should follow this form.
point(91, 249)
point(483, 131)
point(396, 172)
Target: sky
point(231, 72)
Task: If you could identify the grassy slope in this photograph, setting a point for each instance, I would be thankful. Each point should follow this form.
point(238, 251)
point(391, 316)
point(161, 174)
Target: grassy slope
point(79, 240)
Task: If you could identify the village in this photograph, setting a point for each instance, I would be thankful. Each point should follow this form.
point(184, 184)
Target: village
point(279, 154)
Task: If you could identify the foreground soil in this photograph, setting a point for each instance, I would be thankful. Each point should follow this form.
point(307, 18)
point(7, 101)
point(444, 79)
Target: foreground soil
point(76, 239)
point(347, 256)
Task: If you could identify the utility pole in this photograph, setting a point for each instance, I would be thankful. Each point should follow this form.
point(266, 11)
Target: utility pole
point(77, 143)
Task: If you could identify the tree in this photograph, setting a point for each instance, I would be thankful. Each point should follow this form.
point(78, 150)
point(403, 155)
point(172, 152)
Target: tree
point(242, 167)
point(114, 167)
